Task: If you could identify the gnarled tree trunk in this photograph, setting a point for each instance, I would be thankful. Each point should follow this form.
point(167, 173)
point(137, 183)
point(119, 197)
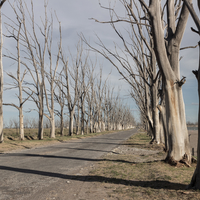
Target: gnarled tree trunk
point(195, 182)
point(168, 61)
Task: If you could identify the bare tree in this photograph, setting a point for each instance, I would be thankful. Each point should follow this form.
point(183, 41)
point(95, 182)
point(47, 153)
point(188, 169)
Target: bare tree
point(77, 113)
point(142, 77)
point(1, 75)
point(35, 53)
point(18, 80)
point(71, 75)
point(167, 55)
point(91, 103)
point(51, 77)
point(99, 96)
point(195, 182)
point(59, 98)
point(85, 81)
point(166, 44)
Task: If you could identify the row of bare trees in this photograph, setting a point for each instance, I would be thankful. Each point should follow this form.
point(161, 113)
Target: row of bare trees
point(150, 62)
point(58, 85)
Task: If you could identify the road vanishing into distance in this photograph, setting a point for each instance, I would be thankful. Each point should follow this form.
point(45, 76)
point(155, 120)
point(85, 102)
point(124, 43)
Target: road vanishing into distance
point(32, 174)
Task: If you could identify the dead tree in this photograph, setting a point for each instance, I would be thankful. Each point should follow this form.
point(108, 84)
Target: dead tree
point(90, 99)
point(35, 53)
point(71, 75)
point(18, 81)
point(143, 76)
point(85, 81)
point(166, 49)
point(59, 98)
point(99, 96)
point(51, 77)
point(195, 182)
point(1, 75)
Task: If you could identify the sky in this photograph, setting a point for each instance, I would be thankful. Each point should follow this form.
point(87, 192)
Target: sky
point(75, 17)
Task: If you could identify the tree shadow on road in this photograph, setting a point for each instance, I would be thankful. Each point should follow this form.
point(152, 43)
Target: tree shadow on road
point(81, 158)
point(158, 184)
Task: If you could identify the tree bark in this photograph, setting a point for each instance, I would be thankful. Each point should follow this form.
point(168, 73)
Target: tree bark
point(53, 129)
point(61, 123)
point(21, 124)
point(168, 62)
point(71, 123)
point(40, 127)
point(195, 182)
point(1, 83)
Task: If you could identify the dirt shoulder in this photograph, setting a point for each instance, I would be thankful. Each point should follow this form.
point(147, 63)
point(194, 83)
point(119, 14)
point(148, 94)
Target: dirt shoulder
point(134, 170)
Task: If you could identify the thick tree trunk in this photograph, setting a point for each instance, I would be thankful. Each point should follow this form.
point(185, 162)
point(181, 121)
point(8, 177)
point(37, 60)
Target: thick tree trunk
point(195, 182)
point(168, 62)
point(176, 124)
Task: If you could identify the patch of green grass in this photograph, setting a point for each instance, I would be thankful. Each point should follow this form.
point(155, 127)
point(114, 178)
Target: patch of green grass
point(166, 177)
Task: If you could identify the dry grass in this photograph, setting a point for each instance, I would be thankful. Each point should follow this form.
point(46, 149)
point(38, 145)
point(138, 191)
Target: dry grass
point(142, 175)
point(12, 142)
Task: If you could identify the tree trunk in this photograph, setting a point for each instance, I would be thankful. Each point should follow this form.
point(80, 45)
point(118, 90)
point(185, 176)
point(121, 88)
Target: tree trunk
point(21, 124)
point(195, 182)
point(71, 123)
point(99, 123)
point(154, 89)
point(40, 127)
point(91, 121)
point(1, 83)
point(108, 121)
point(87, 127)
point(176, 124)
point(103, 127)
point(161, 130)
point(53, 129)
point(78, 119)
point(61, 123)
point(82, 117)
point(168, 62)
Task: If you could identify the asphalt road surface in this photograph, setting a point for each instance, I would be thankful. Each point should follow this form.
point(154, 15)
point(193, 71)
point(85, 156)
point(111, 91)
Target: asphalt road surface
point(28, 174)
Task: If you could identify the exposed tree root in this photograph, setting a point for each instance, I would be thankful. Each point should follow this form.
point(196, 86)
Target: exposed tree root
point(194, 160)
point(183, 161)
point(171, 161)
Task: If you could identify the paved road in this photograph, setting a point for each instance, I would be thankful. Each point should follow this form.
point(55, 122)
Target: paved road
point(24, 174)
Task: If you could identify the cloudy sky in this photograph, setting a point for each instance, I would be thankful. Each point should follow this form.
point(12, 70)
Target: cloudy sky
point(75, 18)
